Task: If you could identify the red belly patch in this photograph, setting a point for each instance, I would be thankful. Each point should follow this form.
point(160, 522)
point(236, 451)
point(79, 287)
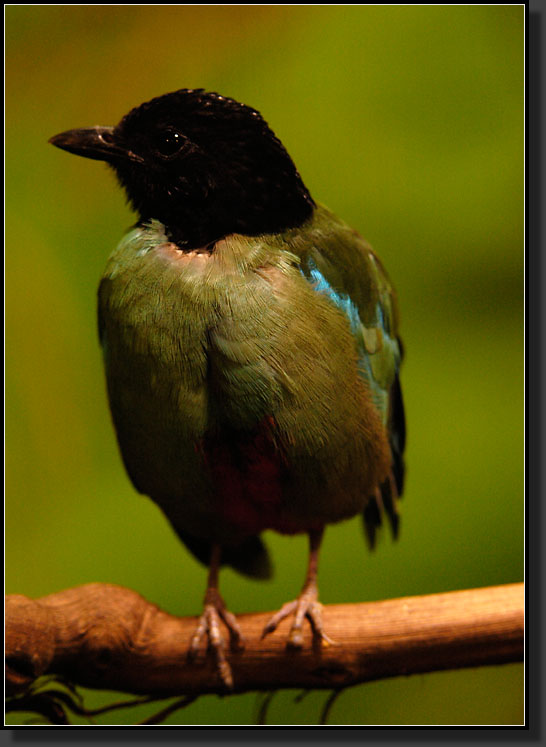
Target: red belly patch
point(249, 473)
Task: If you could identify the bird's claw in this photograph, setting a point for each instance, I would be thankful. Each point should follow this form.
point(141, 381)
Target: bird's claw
point(306, 606)
point(209, 623)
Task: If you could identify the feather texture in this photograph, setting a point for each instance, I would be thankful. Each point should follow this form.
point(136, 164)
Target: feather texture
point(272, 355)
point(251, 347)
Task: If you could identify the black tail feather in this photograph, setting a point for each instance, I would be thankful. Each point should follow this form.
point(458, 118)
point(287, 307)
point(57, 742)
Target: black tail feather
point(397, 434)
point(250, 557)
point(372, 520)
point(385, 499)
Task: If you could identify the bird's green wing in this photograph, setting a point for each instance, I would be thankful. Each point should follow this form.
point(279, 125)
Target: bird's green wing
point(342, 266)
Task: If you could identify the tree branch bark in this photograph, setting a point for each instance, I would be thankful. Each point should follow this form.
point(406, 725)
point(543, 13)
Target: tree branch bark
point(108, 637)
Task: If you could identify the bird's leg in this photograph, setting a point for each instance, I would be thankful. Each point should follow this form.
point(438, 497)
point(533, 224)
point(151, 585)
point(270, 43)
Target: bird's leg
point(215, 609)
point(306, 605)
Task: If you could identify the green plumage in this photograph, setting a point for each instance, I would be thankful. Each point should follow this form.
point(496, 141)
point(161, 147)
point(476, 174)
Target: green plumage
point(251, 347)
point(197, 343)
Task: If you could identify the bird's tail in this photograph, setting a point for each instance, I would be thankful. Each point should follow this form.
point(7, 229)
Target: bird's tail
point(385, 498)
point(250, 557)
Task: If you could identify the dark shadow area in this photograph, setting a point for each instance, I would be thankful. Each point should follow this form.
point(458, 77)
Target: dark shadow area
point(535, 379)
point(334, 735)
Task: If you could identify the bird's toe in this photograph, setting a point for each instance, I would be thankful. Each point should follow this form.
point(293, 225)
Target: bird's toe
point(215, 611)
point(305, 607)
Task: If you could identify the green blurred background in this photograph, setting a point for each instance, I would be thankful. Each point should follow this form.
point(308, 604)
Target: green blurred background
point(405, 120)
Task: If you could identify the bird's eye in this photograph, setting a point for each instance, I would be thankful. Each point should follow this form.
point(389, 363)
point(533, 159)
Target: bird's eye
point(170, 142)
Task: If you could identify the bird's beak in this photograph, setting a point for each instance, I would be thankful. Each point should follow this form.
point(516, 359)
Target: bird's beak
point(99, 143)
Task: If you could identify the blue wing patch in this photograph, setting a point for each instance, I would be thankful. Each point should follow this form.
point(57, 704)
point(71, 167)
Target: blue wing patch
point(378, 352)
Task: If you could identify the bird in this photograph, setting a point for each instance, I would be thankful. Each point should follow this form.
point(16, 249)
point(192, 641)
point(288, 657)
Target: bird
point(251, 349)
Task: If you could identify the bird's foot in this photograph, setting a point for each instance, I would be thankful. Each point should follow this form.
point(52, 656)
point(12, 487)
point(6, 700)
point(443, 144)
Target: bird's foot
point(209, 623)
point(305, 606)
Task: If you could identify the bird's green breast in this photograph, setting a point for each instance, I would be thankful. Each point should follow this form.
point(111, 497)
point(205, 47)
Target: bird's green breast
point(235, 347)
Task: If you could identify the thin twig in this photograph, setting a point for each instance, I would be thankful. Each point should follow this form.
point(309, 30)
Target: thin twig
point(328, 705)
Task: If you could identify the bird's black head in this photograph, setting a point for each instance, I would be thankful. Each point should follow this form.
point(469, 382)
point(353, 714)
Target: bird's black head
point(204, 165)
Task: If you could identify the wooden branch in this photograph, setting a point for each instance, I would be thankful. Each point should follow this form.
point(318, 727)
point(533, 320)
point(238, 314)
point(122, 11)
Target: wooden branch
point(107, 637)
